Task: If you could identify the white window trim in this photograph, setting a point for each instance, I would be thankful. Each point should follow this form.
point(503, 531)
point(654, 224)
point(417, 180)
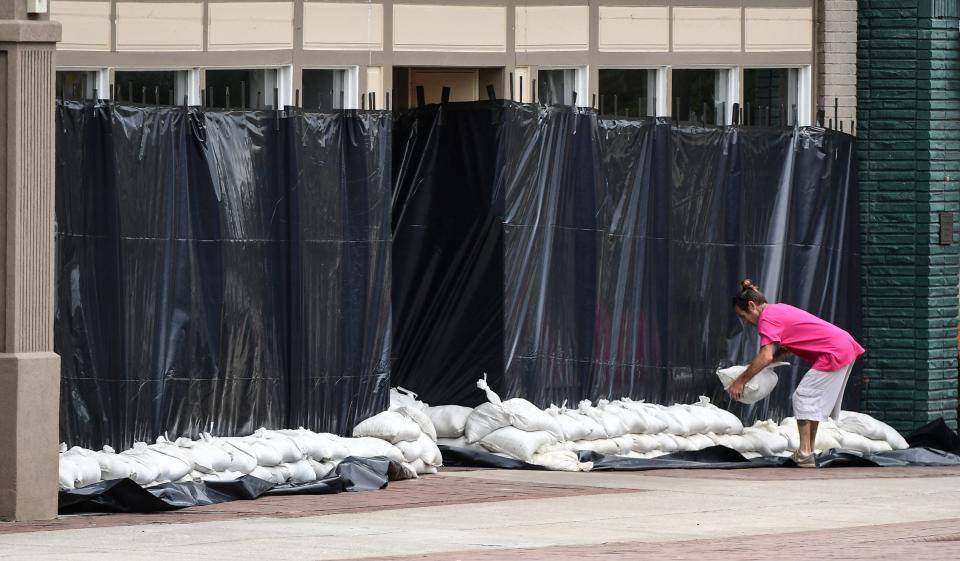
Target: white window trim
point(351, 88)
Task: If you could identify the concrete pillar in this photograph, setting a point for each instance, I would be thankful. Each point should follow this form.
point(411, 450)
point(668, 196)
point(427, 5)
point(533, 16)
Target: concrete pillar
point(29, 370)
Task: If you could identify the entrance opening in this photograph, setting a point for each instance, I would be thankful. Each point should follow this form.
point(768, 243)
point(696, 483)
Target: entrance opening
point(466, 84)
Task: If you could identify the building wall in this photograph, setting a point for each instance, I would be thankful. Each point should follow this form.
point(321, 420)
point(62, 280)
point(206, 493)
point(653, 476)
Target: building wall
point(517, 35)
point(837, 59)
point(909, 144)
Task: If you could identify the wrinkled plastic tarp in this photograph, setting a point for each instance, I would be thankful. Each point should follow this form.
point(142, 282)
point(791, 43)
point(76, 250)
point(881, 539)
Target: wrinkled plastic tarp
point(220, 271)
point(616, 246)
point(125, 495)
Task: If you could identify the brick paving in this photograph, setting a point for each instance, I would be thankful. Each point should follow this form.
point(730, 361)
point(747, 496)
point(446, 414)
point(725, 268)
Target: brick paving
point(424, 492)
point(918, 541)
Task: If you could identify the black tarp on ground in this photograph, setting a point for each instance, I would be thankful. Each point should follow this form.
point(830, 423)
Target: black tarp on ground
point(714, 457)
point(219, 271)
point(125, 495)
point(622, 244)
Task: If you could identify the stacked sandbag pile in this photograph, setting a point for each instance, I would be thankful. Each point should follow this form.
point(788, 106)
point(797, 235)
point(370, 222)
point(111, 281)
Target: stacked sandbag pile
point(407, 427)
point(853, 431)
point(519, 429)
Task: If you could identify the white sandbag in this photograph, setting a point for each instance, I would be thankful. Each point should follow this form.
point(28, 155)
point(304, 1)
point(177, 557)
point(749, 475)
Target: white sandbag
point(301, 471)
point(758, 387)
point(402, 397)
point(169, 460)
point(828, 438)
point(422, 420)
point(561, 446)
point(605, 446)
point(700, 441)
point(410, 450)
point(765, 442)
point(69, 473)
point(684, 444)
point(242, 456)
point(88, 468)
point(283, 445)
point(874, 429)
point(206, 457)
point(592, 429)
point(560, 461)
point(449, 420)
point(406, 471)
point(267, 455)
point(721, 420)
point(655, 424)
point(690, 423)
point(391, 426)
point(789, 430)
point(674, 425)
point(317, 446)
point(719, 439)
point(624, 444)
point(460, 443)
point(634, 422)
point(422, 468)
point(430, 454)
point(517, 443)
point(570, 428)
point(666, 443)
point(369, 447)
point(739, 443)
point(142, 468)
point(483, 420)
point(643, 443)
point(322, 470)
point(113, 465)
point(612, 425)
point(228, 475)
point(278, 474)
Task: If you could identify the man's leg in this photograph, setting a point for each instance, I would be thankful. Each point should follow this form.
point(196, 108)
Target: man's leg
point(808, 436)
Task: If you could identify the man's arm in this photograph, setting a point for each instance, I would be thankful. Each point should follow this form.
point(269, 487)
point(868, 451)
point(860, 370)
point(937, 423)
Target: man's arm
point(759, 362)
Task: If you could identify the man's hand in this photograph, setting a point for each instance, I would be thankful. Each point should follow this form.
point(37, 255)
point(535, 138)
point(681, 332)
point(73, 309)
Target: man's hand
point(735, 389)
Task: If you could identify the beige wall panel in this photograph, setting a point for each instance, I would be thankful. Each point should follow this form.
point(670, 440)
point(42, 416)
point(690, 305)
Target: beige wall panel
point(634, 28)
point(553, 28)
point(159, 26)
point(342, 27)
point(250, 26)
point(464, 84)
point(449, 28)
point(706, 29)
point(86, 25)
point(778, 29)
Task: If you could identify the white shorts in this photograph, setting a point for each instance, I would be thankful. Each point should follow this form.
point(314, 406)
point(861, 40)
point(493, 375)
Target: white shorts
point(820, 394)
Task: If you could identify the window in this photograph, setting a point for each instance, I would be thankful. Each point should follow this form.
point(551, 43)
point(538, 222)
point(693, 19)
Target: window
point(701, 95)
point(628, 92)
point(78, 84)
point(325, 89)
point(151, 86)
point(248, 87)
point(562, 86)
point(770, 96)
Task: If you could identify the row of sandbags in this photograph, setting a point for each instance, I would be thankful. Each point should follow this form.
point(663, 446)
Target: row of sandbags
point(404, 435)
point(518, 429)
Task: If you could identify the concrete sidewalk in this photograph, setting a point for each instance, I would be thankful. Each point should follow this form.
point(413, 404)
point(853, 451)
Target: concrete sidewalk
point(495, 514)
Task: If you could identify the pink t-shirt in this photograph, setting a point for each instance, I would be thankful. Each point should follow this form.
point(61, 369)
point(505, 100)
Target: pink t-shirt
point(824, 345)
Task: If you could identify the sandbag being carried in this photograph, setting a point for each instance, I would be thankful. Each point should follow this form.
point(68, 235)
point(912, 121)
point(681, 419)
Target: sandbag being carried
point(758, 387)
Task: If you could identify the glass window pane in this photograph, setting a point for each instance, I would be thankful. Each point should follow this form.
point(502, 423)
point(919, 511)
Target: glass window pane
point(77, 84)
point(324, 88)
point(143, 86)
point(769, 96)
point(699, 95)
point(255, 84)
point(627, 92)
point(555, 86)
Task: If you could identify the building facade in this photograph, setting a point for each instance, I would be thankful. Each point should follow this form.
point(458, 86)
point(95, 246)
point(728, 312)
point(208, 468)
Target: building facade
point(691, 59)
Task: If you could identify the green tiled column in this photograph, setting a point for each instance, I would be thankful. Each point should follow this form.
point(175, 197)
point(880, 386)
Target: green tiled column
point(908, 66)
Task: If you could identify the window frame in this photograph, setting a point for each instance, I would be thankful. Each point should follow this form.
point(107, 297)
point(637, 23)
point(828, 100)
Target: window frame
point(351, 90)
point(581, 78)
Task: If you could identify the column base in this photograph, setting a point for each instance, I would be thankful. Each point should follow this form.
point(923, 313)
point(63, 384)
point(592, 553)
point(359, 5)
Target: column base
point(29, 435)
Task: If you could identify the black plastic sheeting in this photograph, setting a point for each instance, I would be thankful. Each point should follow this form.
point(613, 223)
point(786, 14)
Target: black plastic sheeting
point(220, 271)
point(125, 495)
point(714, 457)
point(570, 257)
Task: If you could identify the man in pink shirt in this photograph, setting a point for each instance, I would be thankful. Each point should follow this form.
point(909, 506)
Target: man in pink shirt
point(786, 330)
